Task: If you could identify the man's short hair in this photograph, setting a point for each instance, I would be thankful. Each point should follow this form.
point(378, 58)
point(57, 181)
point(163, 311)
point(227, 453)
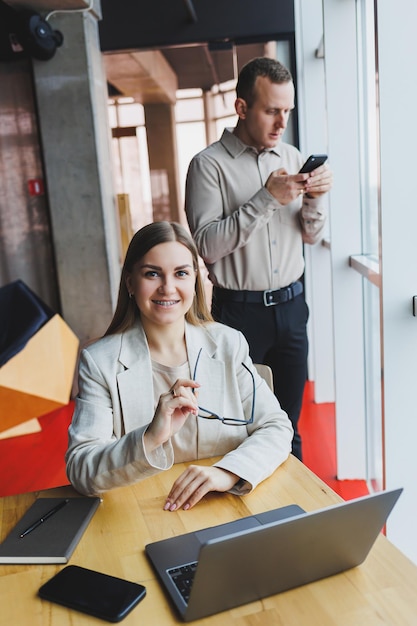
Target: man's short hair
point(260, 66)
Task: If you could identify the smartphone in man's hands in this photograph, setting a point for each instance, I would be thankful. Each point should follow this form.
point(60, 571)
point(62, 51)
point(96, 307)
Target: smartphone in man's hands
point(313, 161)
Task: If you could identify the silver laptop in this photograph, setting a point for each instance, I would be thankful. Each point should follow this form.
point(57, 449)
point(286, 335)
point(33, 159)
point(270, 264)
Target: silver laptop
point(216, 569)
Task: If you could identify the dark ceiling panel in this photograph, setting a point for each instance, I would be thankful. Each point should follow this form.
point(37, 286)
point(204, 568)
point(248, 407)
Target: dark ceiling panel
point(135, 24)
point(199, 66)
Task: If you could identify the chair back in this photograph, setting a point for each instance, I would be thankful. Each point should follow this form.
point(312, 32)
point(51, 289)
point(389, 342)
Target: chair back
point(22, 314)
point(266, 373)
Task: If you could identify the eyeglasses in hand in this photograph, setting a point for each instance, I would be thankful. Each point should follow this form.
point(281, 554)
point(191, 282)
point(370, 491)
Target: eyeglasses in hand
point(229, 421)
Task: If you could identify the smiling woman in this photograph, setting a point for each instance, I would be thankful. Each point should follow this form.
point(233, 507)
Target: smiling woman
point(138, 407)
point(162, 284)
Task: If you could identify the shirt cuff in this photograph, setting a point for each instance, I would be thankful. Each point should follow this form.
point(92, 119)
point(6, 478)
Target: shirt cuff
point(162, 458)
point(311, 203)
point(241, 488)
point(264, 199)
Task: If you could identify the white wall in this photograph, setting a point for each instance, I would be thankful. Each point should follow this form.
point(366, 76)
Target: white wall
point(397, 51)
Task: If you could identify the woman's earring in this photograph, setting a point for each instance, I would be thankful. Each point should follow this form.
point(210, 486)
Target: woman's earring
point(130, 295)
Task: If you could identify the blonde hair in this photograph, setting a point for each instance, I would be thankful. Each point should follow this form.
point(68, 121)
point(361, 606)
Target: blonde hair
point(145, 239)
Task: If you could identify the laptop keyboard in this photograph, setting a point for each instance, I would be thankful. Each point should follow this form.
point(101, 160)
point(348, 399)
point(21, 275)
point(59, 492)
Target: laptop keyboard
point(183, 577)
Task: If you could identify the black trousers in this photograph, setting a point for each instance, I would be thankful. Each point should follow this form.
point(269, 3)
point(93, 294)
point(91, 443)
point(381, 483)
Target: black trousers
point(277, 336)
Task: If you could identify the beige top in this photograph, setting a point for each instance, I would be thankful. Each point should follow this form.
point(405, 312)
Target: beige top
point(184, 444)
point(247, 239)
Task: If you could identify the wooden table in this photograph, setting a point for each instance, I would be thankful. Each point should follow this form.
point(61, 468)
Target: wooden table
point(381, 591)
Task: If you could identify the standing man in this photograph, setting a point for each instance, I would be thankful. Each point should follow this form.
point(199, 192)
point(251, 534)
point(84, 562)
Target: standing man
point(250, 213)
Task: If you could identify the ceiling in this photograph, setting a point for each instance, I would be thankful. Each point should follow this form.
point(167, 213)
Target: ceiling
point(200, 65)
point(154, 74)
point(202, 42)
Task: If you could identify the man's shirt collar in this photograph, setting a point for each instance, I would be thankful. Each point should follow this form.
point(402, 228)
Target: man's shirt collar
point(236, 146)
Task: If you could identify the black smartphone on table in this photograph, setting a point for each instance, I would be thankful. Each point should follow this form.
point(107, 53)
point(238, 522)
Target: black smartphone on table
point(313, 161)
point(97, 594)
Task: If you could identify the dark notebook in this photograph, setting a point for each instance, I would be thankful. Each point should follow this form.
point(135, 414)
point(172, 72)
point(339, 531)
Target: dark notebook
point(51, 529)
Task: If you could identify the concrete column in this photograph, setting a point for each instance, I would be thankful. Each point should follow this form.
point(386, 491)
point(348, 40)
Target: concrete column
point(163, 161)
point(71, 92)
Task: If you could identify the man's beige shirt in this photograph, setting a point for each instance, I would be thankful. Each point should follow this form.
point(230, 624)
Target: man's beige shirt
point(247, 239)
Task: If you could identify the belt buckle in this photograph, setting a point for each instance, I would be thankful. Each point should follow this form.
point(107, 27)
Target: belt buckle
point(265, 297)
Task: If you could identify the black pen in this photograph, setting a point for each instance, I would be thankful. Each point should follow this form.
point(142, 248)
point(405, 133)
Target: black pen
point(44, 518)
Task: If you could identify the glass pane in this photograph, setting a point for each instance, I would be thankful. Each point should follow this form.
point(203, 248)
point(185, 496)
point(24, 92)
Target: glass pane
point(368, 121)
point(224, 103)
point(284, 55)
point(117, 166)
point(132, 177)
point(112, 115)
point(183, 94)
point(368, 171)
point(144, 214)
point(130, 114)
point(191, 138)
point(189, 110)
point(225, 122)
point(373, 386)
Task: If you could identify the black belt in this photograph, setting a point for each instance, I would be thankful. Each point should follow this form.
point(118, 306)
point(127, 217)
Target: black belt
point(269, 297)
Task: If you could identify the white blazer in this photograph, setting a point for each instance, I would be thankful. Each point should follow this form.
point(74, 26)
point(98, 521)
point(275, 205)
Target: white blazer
point(115, 404)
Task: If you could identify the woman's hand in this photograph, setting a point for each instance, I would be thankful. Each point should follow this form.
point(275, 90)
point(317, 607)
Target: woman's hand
point(172, 411)
point(195, 482)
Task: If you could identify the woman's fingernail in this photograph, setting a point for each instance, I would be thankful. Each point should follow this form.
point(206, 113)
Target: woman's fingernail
point(167, 505)
point(173, 507)
point(186, 507)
